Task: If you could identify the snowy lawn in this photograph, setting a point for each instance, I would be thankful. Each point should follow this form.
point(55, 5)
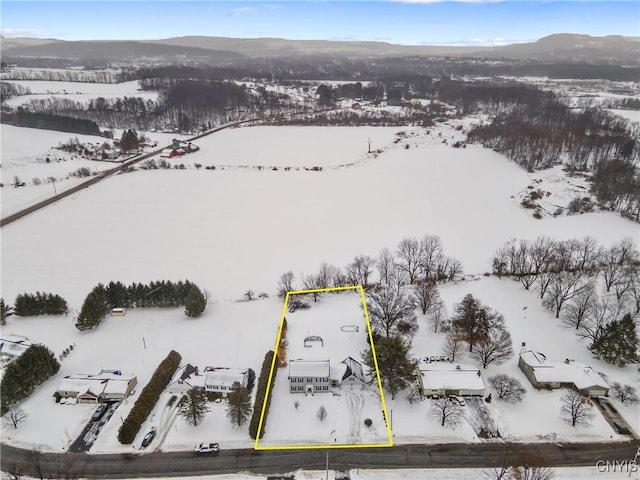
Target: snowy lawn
point(346, 408)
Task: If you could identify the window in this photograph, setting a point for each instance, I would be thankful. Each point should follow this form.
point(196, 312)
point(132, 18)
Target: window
point(325, 388)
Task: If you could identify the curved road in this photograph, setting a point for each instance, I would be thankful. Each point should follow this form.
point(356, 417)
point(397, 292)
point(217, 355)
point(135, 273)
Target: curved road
point(460, 455)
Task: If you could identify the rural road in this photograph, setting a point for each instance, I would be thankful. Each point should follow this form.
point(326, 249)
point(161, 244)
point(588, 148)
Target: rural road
point(460, 455)
point(107, 173)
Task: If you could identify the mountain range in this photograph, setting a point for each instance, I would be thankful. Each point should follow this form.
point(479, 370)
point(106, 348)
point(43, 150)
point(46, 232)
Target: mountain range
point(618, 50)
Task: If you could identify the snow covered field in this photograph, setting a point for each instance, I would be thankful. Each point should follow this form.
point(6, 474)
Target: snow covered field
point(77, 91)
point(236, 229)
point(24, 157)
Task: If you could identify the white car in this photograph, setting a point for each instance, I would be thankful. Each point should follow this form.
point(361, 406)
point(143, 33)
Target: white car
point(203, 448)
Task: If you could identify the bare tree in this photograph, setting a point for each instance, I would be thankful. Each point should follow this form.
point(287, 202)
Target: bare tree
point(326, 275)
point(414, 395)
point(587, 255)
point(360, 270)
point(578, 308)
point(542, 253)
point(452, 345)
point(385, 266)
point(447, 412)
point(410, 258)
point(624, 393)
point(431, 252)
point(528, 472)
point(425, 294)
point(576, 408)
point(322, 413)
point(616, 260)
point(438, 314)
point(285, 284)
point(392, 311)
point(15, 416)
point(311, 282)
point(496, 347)
point(544, 280)
point(507, 388)
point(600, 314)
point(563, 287)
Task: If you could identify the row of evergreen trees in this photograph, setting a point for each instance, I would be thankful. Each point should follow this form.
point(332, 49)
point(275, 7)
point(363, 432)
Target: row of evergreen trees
point(28, 304)
point(159, 294)
point(48, 121)
point(149, 397)
point(263, 383)
point(25, 373)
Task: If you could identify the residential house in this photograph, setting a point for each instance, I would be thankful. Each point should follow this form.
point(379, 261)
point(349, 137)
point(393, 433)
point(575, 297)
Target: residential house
point(108, 385)
point(309, 376)
point(212, 379)
point(544, 373)
point(13, 345)
point(450, 379)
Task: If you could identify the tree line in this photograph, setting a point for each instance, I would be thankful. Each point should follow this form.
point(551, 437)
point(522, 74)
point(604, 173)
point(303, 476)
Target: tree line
point(592, 289)
point(160, 294)
point(148, 397)
point(27, 304)
point(49, 121)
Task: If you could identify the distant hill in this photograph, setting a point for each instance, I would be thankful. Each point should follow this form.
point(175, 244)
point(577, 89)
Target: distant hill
point(563, 47)
point(113, 51)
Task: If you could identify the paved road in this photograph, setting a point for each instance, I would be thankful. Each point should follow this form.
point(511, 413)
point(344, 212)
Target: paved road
point(460, 455)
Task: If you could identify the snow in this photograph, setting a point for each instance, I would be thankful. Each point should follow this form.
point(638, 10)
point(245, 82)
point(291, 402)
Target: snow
point(632, 115)
point(569, 371)
point(77, 91)
point(239, 228)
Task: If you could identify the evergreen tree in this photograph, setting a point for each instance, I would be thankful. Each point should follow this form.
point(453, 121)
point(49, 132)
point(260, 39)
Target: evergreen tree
point(94, 309)
point(6, 310)
point(238, 405)
point(195, 302)
point(193, 406)
point(618, 342)
point(397, 368)
point(473, 320)
point(129, 140)
point(25, 373)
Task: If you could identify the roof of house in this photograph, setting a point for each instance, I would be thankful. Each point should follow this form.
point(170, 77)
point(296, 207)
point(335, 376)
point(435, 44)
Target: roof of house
point(353, 367)
point(107, 382)
point(14, 345)
point(309, 368)
point(569, 371)
point(225, 376)
point(448, 376)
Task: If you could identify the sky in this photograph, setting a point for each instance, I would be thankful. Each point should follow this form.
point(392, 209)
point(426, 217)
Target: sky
point(409, 22)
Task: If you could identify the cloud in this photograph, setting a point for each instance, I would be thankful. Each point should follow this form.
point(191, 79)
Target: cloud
point(242, 11)
point(478, 42)
point(22, 32)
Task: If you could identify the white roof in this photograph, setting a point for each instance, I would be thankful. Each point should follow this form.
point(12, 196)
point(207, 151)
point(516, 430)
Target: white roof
point(569, 371)
point(445, 376)
point(14, 345)
point(105, 381)
point(309, 368)
point(224, 376)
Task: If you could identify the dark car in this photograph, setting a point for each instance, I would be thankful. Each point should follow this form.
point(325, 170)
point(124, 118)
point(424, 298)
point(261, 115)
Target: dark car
point(148, 438)
point(100, 411)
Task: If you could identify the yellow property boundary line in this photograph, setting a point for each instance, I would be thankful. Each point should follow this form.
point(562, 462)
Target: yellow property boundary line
point(273, 363)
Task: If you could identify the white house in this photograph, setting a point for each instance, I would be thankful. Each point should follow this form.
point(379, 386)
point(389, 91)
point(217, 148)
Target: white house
point(450, 379)
point(309, 376)
point(544, 373)
point(212, 379)
point(104, 386)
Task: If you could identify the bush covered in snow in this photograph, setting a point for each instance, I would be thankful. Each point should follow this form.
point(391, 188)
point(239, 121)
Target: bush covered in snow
point(263, 383)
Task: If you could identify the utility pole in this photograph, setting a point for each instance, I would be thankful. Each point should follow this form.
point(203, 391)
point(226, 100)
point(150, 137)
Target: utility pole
point(327, 468)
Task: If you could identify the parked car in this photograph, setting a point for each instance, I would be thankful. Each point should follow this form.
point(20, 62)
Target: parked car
point(100, 411)
point(203, 448)
point(460, 400)
point(148, 438)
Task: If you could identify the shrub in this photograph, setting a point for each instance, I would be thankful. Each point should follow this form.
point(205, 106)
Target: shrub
point(149, 397)
point(368, 422)
point(263, 383)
